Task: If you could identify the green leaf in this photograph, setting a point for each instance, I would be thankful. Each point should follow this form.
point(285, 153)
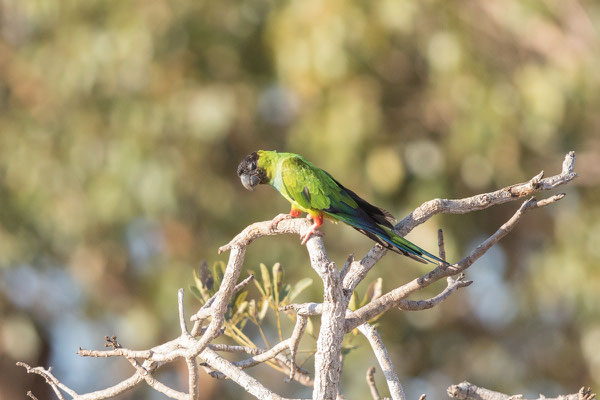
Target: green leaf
point(241, 308)
point(197, 293)
point(218, 270)
point(309, 326)
point(370, 291)
point(277, 279)
point(204, 281)
point(263, 309)
point(284, 294)
point(347, 349)
point(277, 275)
point(252, 308)
point(352, 303)
point(241, 298)
point(257, 283)
point(299, 287)
point(266, 279)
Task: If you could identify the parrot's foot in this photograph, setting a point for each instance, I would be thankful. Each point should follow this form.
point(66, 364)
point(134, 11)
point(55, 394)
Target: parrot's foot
point(313, 230)
point(278, 219)
point(294, 213)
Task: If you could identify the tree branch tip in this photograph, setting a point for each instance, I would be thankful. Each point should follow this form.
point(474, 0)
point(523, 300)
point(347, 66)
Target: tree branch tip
point(224, 248)
point(536, 179)
point(24, 365)
point(371, 383)
point(30, 395)
point(569, 162)
point(549, 200)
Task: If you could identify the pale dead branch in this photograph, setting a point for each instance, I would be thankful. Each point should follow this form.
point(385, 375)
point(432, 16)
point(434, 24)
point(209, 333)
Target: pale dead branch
point(195, 346)
point(468, 391)
point(371, 383)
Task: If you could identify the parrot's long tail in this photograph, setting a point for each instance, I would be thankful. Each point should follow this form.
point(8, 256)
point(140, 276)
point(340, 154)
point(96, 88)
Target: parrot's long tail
point(404, 245)
point(390, 240)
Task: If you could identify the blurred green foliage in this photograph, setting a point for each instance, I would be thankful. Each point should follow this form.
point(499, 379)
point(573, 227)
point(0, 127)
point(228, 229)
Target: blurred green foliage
point(122, 122)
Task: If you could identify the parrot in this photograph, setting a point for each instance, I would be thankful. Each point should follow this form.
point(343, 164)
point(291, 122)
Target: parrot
point(314, 191)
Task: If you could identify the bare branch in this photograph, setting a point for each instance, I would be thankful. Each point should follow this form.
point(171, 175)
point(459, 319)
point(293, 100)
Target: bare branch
point(442, 248)
point(50, 379)
point(485, 200)
point(301, 322)
point(468, 391)
point(264, 356)
point(394, 297)
point(347, 265)
point(113, 391)
point(331, 335)
point(417, 305)
point(146, 374)
point(193, 378)
point(182, 325)
point(385, 362)
point(31, 396)
point(300, 375)
point(305, 308)
point(371, 383)
point(336, 319)
point(219, 307)
point(405, 305)
point(248, 383)
point(359, 269)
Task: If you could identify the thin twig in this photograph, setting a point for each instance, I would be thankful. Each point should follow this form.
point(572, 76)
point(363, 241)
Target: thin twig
point(417, 305)
point(31, 396)
point(301, 321)
point(442, 248)
point(371, 383)
point(182, 325)
point(301, 375)
point(385, 362)
point(50, 379)
point(248, 383)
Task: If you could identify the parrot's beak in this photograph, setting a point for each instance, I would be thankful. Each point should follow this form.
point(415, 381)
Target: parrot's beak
point(249, 181)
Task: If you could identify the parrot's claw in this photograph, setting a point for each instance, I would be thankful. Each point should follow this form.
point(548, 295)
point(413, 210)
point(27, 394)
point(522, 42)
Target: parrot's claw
point(311, 231)
point(278, 219)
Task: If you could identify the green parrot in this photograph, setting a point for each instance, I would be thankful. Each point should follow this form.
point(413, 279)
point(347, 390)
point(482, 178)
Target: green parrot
point(314, 191)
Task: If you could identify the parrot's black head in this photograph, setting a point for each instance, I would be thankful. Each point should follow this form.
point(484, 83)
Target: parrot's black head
point(250, 173)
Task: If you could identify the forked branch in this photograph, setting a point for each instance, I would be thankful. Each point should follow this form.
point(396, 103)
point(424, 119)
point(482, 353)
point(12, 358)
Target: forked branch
point(195, 345)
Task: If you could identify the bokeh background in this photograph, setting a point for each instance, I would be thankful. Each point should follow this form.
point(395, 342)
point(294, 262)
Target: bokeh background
point(122, 123)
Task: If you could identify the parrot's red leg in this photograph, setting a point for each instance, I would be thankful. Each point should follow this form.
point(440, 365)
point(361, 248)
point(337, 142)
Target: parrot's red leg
point(318, 218)
point(294, 213)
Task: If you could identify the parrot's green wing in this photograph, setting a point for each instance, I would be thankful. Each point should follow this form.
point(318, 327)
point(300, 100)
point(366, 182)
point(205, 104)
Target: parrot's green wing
point(314, 189)
point(311, 187)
